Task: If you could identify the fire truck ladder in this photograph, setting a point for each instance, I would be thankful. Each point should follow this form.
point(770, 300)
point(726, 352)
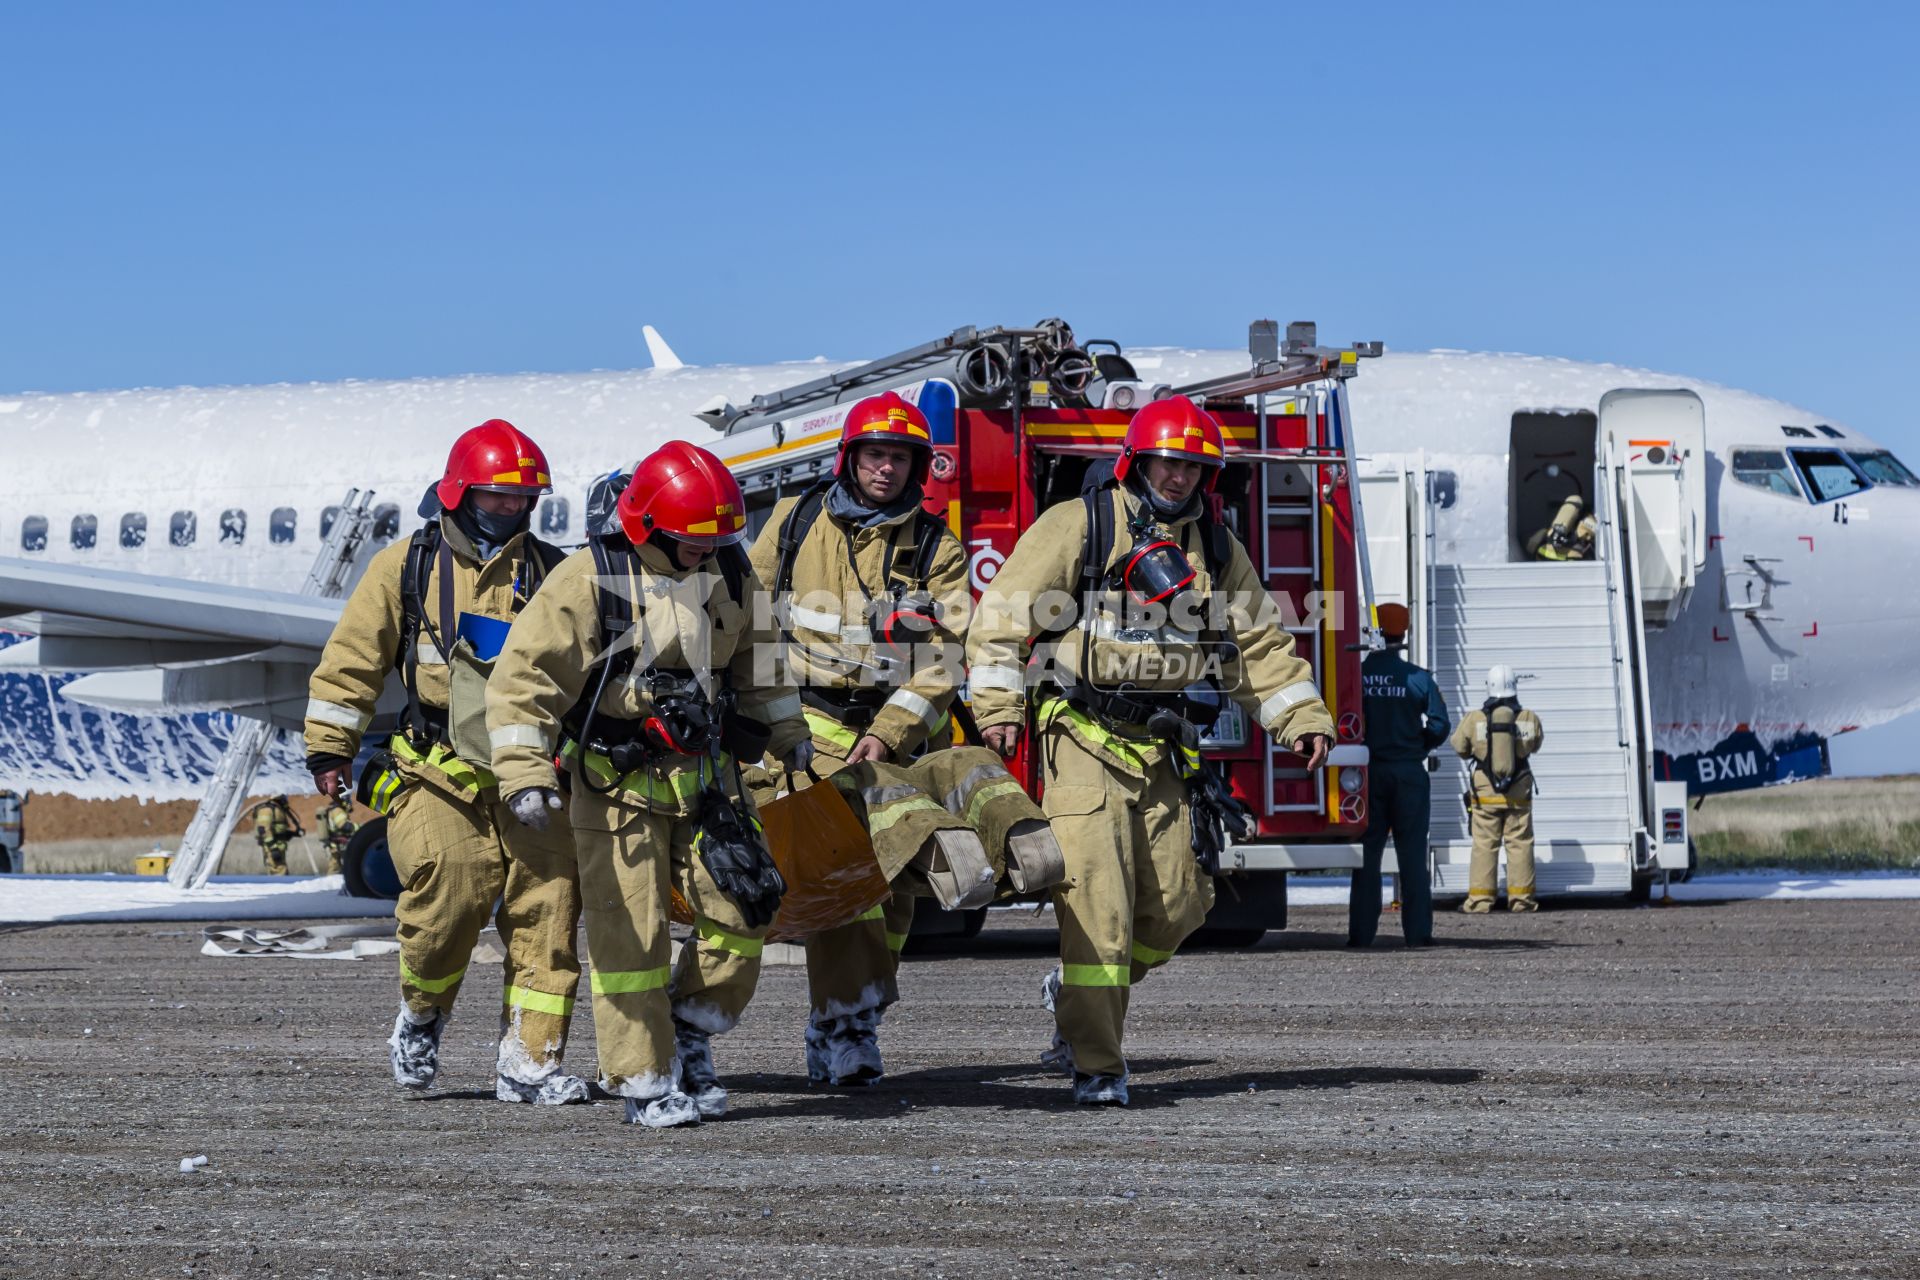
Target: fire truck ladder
point(206, 840)
point(1286, 498)
point(989, 367)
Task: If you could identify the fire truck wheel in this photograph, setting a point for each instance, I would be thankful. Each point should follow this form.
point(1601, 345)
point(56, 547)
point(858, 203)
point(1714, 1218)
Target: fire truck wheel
point(1227, 939)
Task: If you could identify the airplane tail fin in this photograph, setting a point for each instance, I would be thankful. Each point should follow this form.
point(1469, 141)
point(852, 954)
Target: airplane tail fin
point(663, 356)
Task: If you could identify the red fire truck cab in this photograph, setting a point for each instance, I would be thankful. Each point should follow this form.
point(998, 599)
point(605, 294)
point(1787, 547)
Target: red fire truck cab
point(1019, 415)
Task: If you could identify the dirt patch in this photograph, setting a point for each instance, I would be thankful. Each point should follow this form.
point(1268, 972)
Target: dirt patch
point(1696, 1091)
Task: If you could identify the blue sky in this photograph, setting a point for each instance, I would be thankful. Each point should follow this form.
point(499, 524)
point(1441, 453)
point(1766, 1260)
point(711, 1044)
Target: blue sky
point(204, 193)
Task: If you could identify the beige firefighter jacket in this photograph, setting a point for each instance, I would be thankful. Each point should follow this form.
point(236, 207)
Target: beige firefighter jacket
point(365, 644)
point(271, 823)
point(1264, 675)
point(683, 619)
point(1470, 742)
point(829, 612)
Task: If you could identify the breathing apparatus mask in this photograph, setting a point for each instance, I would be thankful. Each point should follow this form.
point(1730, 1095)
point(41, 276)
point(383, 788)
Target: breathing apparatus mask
point(1156, 572)
point(901, 619)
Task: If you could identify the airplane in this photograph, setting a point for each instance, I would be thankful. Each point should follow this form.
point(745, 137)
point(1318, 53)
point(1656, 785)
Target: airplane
point(159, 536)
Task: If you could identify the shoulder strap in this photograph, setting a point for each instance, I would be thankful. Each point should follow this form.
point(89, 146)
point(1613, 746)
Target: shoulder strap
point(734, 568)
point(793, 532)
point(1217, 544)
point(1099, 540)
point(414, 572)
point(613, 563)
point(930, 529)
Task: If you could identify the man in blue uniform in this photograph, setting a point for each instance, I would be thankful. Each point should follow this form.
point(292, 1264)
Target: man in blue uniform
point(1406, 719)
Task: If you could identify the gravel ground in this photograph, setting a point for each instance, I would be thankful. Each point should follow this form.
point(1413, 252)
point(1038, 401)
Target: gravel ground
point(1707, 1090)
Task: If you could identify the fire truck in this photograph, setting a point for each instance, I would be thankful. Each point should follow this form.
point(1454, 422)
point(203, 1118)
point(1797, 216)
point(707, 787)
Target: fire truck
point(1018, 415)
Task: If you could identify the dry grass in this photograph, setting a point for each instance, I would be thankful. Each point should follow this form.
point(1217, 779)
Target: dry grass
point(1829, 824)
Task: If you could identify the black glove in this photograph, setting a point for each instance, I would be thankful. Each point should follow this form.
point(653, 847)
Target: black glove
point(1214, 812)
point(735, 854)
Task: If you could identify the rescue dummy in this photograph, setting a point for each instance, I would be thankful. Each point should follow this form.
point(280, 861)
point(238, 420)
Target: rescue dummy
point(1121, 693)
point(872, 593)
point(1406, 719)
point(435, 607)
point(1498, 740)
point(1568, 537)
point(636, 668)
point(274, 828)
point(336, 832)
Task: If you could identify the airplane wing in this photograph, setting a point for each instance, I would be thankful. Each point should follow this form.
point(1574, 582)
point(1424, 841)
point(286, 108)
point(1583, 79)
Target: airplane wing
point(165, 646)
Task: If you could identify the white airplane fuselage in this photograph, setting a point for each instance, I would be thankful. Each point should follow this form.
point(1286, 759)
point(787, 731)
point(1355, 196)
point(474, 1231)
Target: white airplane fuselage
point(229, 485)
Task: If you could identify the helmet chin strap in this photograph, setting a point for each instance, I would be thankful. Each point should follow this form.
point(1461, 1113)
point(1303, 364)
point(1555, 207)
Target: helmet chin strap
point(1161, 507)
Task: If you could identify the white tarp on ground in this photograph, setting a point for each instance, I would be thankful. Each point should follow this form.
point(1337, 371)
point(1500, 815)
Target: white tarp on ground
point(33, 899)
point(1770, 885)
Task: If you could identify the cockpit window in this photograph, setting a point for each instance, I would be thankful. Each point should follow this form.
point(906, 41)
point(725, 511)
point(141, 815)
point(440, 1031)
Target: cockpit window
point(1796, 433)
point(1765, 469)
point(1828, 474)
point(1882, 467)
point(1829, 432)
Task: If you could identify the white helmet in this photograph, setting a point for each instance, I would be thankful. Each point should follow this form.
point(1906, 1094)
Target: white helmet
point(1501, 682)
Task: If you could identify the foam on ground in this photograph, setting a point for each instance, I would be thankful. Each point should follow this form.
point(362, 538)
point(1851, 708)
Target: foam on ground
point(31, 899)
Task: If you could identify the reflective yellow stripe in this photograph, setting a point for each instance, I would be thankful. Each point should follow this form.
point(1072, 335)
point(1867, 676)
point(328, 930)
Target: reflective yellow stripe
point(986, 794)
point(830, 731)
point(441, 757)
point(1144, 954)
point(879, 819)
point(1092, 732)
point(713, 935)
point(619, 982)
point(385, 790)
point(874, 912)
point(1094, 975)
point(434, 985)
point(676, 786)
point(538, 1001)
point(896, 942)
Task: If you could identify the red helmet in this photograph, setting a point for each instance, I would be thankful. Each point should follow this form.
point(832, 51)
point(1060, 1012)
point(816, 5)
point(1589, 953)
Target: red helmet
point(1174, 428)
point(888, 417)
point(682, 490)
point(497, 456)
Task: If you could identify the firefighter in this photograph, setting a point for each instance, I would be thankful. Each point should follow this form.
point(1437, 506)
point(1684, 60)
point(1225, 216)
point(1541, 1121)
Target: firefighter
point(1568, 537)
point(435, 607)
point(1499, 740)
point(874, 590)
point(12, 832)
point(274, 828)
point(636, 667)
point(336, 831)
point(1116, 712)
point(1406, 719)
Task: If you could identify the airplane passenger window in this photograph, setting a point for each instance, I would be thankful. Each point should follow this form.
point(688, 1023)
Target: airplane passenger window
point(281, 524)
point(1765, 469)
point(33, 533)
point(182, 529)
point(1828, 474)
point(233, 527)
point(386, 521)
point(133, 530)
point(554, 514)
point(1881, 467)
point(327, 516)
point(85, 532)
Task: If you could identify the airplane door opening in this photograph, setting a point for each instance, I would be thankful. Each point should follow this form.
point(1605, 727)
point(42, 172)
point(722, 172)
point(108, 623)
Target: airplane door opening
point(1550, 456)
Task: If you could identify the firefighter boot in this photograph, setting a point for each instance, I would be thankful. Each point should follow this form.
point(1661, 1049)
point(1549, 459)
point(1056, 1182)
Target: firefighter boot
point(1100, 1091)
point(1522, 902)
point(1059, 1055)
point(556, 1089)
point(1476, 905)
point(851, 1050)
point(698, 1079)
point(817, 1049)
point(668, 1111)
point(414, 1048)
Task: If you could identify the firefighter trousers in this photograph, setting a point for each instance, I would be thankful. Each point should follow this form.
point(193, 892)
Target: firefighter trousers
point(1494, 825)
point(456, 857)
point(632, 860)
point(1399, 796)
point(1133, 890)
